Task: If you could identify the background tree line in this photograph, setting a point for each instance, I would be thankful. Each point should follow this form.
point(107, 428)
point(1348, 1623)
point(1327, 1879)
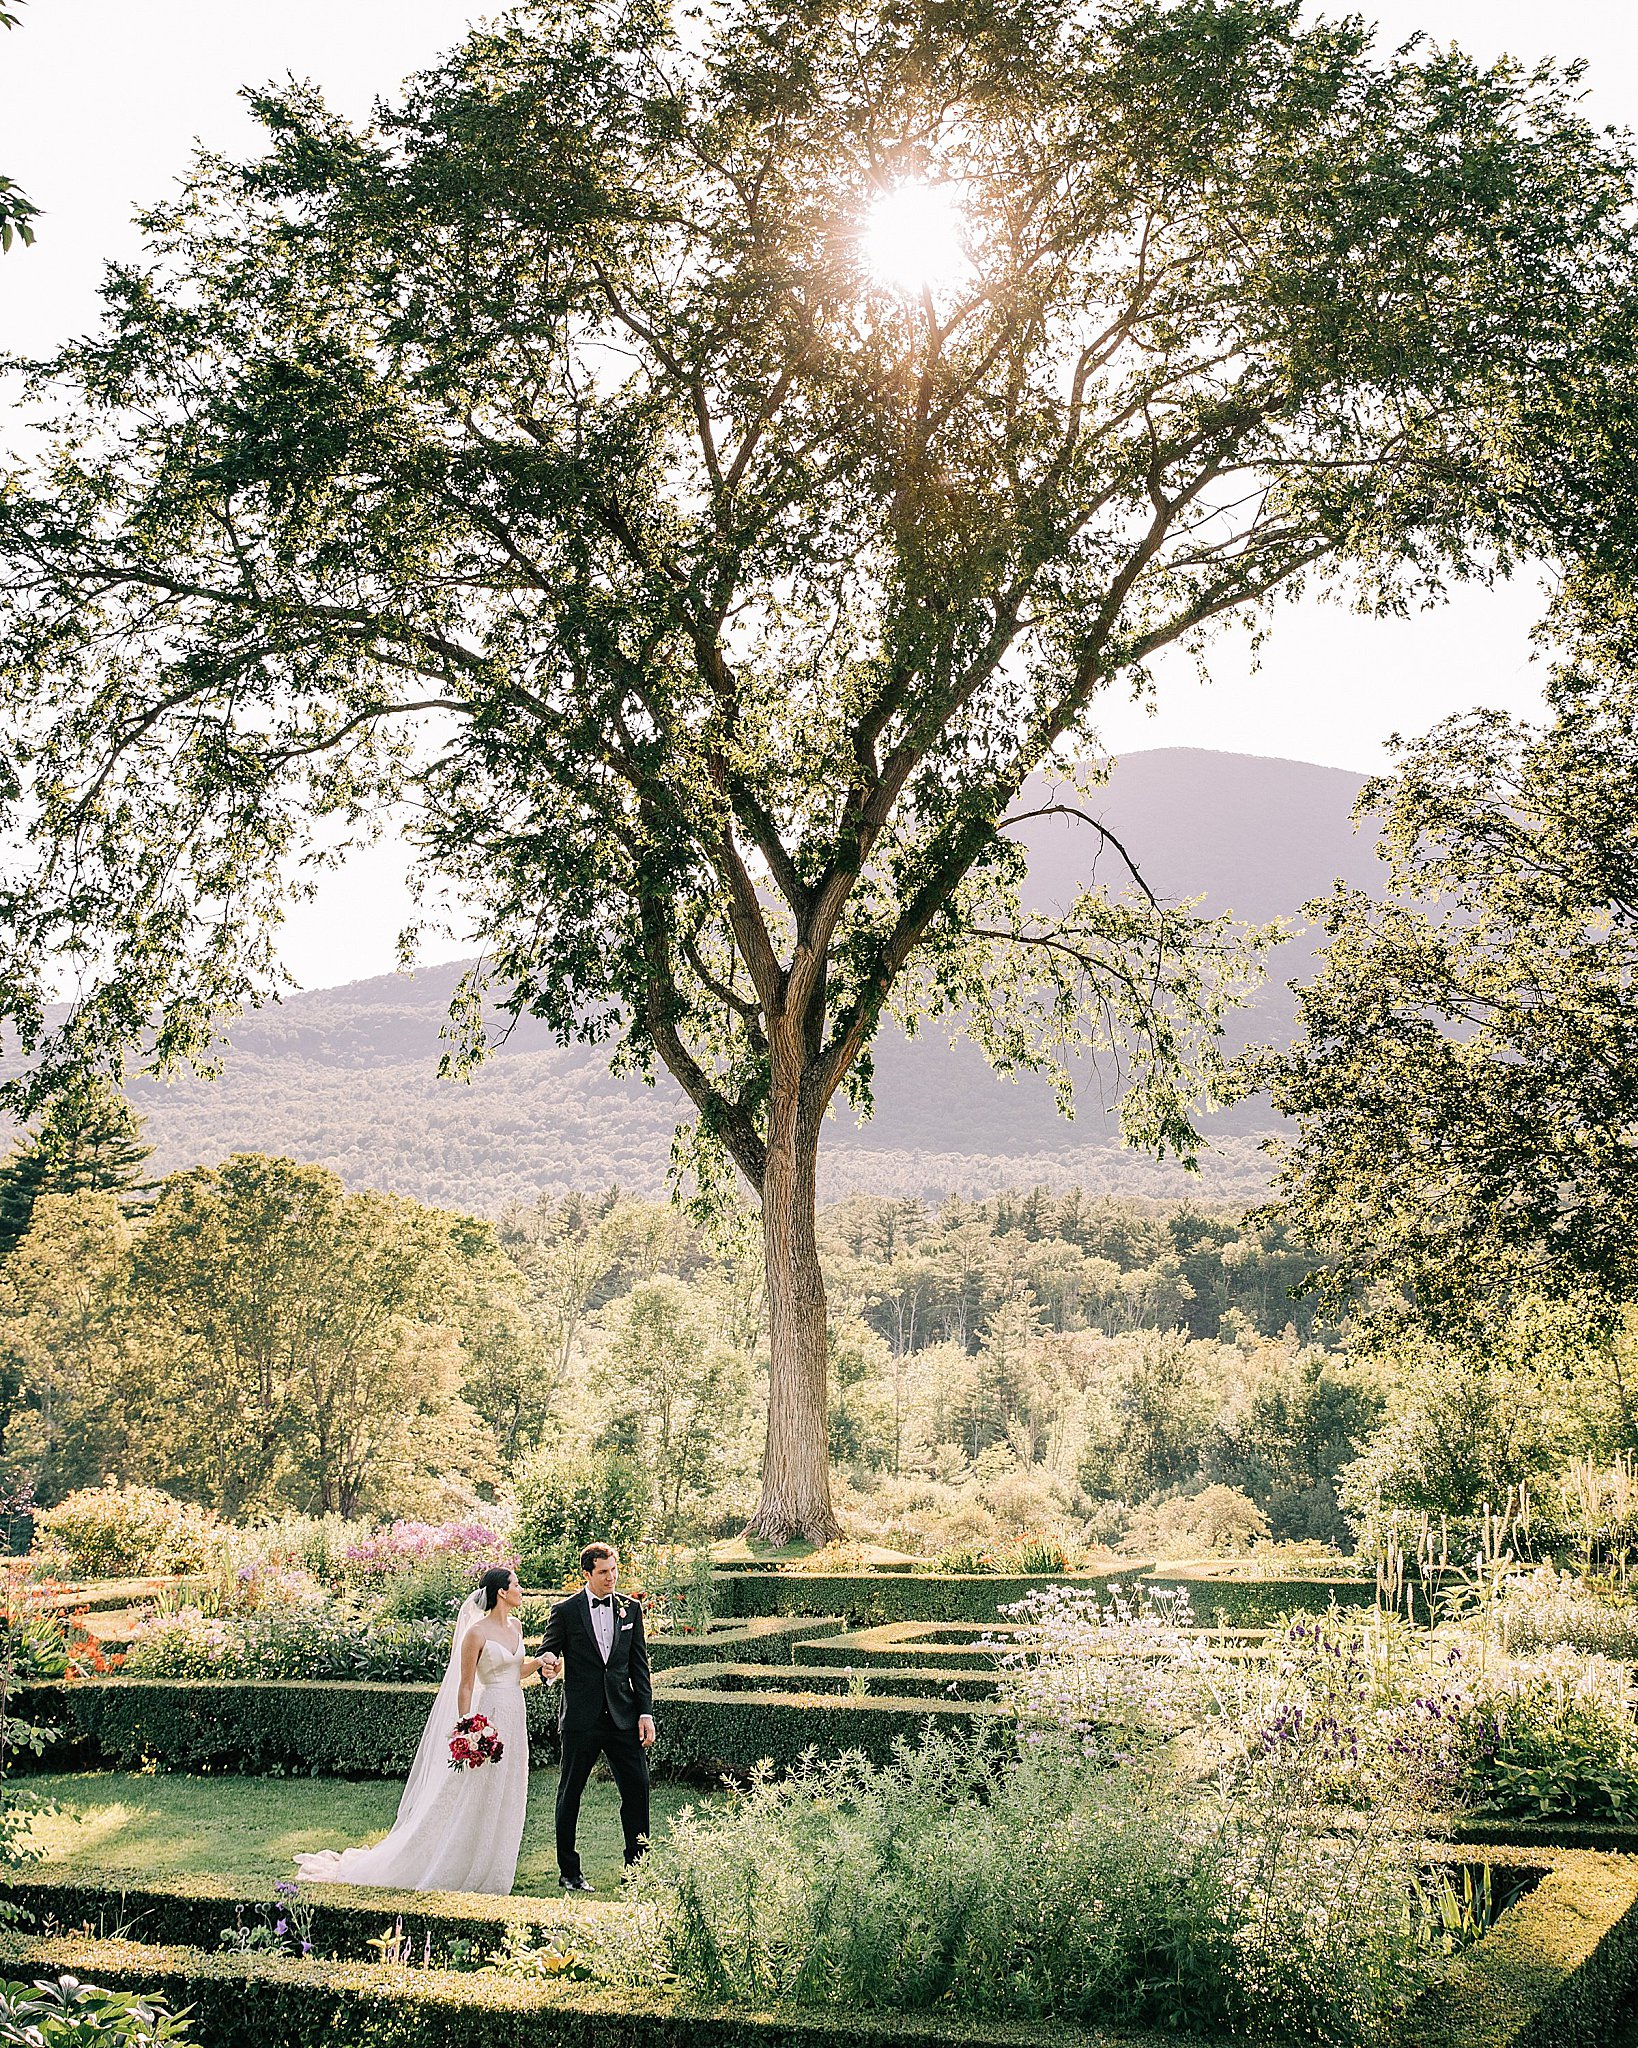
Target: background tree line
point(255, 1338)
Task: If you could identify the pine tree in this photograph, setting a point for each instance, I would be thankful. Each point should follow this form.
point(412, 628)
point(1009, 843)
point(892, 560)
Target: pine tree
point(90, 1138)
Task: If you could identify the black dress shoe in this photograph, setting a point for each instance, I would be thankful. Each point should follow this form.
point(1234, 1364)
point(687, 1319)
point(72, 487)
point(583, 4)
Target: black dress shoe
point(575, 1884)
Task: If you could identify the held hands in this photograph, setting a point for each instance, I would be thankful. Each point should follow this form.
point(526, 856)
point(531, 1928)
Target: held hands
point(550, 1666)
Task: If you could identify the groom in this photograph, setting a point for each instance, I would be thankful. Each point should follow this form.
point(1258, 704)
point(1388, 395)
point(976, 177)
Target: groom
point(595, 1640)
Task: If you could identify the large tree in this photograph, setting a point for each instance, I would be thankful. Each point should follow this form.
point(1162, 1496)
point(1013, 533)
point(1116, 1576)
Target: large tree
point(1464, 1086)
point(699, 466)
point(90, 1138)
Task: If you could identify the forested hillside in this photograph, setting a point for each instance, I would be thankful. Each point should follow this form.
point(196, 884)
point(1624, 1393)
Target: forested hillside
point(347, 1076)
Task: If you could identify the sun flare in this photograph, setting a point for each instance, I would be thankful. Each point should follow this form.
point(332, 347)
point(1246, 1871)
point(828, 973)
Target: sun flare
point(913, 239)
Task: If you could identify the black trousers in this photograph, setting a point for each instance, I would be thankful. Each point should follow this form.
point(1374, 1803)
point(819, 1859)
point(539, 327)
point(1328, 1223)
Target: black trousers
point(628, 1760)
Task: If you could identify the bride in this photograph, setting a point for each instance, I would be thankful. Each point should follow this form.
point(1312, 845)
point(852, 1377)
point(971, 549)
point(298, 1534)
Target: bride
point(458, 1831)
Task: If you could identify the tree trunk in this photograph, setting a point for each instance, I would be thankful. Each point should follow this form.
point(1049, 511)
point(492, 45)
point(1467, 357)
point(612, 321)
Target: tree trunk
point(796, 1467)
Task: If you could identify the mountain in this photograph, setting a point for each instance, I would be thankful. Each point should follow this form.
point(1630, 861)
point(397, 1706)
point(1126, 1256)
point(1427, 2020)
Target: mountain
point(347, 1076)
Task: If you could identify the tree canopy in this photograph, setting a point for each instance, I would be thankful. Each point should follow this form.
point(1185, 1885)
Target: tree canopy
point(552, 460)
point(1465, 1085)
point(90, 1138)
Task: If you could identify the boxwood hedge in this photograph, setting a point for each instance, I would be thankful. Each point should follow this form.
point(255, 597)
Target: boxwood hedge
point(1224, 1601)
point(191, 1912)
point(867, 1599)
point(875, 1599)
point(250, 2001)
point(338, 1729)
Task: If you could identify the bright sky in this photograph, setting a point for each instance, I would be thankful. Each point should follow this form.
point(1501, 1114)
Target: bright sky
point(100, 101)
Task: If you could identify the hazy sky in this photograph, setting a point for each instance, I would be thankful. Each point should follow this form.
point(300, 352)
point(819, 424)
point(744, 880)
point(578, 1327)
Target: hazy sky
point(100, 101)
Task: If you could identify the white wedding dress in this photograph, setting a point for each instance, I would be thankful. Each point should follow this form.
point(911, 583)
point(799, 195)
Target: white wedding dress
point(456, 1831)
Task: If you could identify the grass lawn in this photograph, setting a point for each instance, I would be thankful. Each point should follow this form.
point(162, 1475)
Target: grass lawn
point(156, 1826)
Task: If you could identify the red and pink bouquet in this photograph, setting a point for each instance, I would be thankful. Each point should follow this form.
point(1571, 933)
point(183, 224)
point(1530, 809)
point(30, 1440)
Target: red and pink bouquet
point(474, 1744)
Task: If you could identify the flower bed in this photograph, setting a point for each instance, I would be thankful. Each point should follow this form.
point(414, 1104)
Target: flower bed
point(1552, 1972)
point(289, 1642)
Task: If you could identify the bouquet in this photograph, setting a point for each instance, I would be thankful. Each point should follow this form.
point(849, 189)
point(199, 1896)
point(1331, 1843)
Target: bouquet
point(474, 1744)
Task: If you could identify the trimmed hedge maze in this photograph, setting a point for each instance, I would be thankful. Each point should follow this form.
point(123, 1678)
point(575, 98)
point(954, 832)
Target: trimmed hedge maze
point(800, 1662)
point(1552, 1973)
point(801, 1665)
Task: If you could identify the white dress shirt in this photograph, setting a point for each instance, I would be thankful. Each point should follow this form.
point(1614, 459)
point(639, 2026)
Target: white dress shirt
point(602, 1617)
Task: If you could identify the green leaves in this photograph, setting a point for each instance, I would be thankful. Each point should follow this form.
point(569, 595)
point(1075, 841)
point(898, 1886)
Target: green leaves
point(1466, 1086)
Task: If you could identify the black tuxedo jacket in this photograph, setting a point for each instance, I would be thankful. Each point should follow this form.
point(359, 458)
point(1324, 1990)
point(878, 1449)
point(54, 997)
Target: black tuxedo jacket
point(624, 1685)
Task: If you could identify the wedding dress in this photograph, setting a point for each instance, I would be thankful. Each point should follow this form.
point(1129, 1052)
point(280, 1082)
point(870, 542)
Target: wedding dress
point(456, 1831)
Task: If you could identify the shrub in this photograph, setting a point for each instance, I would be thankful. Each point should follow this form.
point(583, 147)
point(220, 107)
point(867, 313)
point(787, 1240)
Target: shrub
point(358, 1730)
point(679, 1592)
point(64, 2012)
point(564, 1505)
point(1216, 1519)
point(323, 1643)
point(1029, 1554)
point(370, 1729)
point(864, 1599)
point(1559, 1738)
point(1542, 1609)
point(106, 1532)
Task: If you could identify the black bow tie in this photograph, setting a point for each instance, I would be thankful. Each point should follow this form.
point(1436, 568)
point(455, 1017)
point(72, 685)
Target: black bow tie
point(606, 1601)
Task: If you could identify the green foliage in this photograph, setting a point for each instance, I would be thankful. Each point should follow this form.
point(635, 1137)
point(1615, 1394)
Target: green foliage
point(263, 1340)
point(1553, 1971)
point(564, 1504)
point(341, 1922)
point(1100, 1263)
point(17, 210)
point(679, 1593)
point(1541, 1610)
point(90, 1138)
point(926, 1884)
point(673, 1395)
point(1481, 1016)
point(716, 685)
point(296, 1643)
point(107, 1532)
point(1155, 1410)
point(64, 2013)
point(866, 1598)
point(369, 1729)
point(356, 1729)
point(1290, 1434)
point(1461, 1434)
point(1555, 1755)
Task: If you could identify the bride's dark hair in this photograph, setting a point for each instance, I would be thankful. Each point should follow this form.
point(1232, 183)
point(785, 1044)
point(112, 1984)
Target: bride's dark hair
point(493, 1584)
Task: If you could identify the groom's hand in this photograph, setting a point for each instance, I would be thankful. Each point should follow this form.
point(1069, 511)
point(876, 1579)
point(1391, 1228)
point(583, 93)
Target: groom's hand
point(645, 1730)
